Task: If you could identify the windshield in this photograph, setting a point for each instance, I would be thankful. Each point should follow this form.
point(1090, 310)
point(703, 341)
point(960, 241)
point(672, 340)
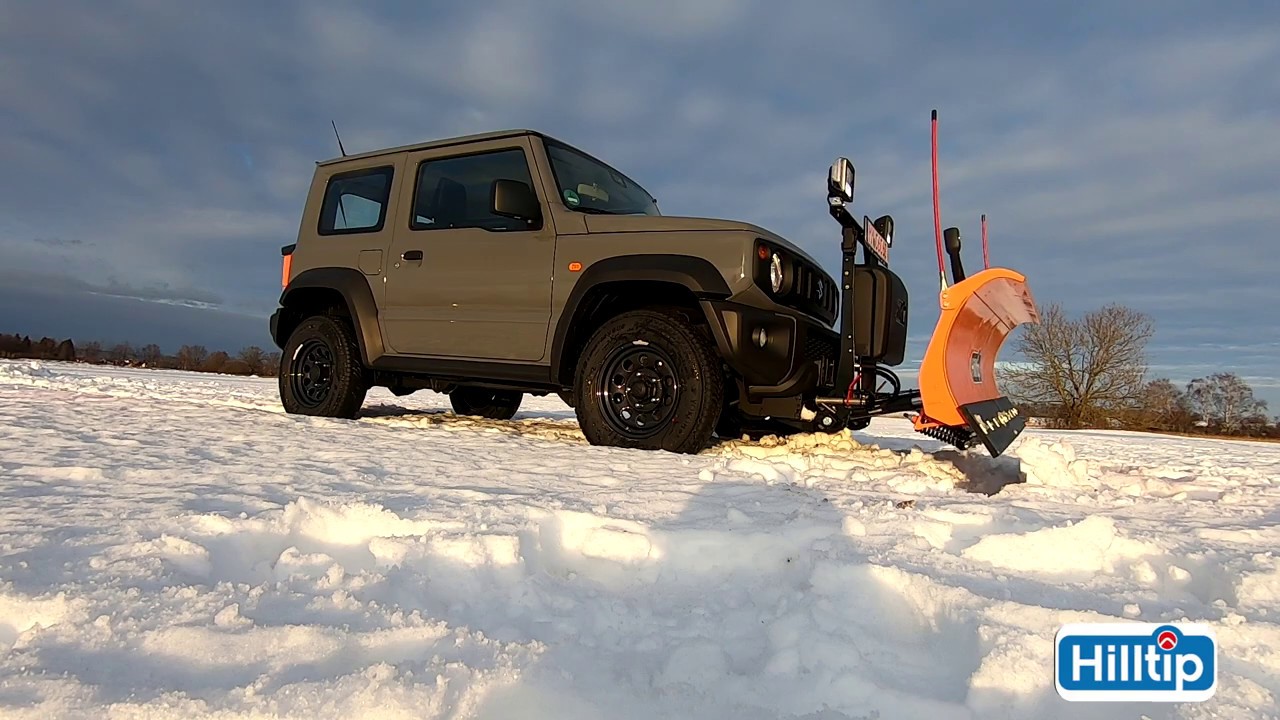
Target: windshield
point(588, 185)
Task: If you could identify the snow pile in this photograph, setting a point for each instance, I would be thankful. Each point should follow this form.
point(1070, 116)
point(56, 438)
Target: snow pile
point(813, 458)
point(1259, 590)
point(1075, 551)
point(1053, 464)
point(21, 617)
point(170, 386)
point(166, 551)
point(33, 373)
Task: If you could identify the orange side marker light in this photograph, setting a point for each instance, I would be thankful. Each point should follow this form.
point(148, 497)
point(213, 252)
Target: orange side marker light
point(284, 270)
point(575, 266)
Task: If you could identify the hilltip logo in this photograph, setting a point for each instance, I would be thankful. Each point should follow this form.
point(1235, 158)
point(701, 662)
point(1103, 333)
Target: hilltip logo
point(1136, 662)
point(1002, 418)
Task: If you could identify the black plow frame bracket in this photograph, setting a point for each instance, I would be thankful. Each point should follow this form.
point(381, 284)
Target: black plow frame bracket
point(857, 403)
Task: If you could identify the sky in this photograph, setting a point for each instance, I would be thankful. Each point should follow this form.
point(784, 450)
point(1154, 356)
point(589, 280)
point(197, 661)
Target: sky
point(155, 156)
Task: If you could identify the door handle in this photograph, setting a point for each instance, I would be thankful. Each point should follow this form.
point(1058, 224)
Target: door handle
point(411, 256)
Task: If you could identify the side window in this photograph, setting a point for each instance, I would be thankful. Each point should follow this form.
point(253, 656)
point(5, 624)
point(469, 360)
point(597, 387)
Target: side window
point(356, 202)
point(456, 192)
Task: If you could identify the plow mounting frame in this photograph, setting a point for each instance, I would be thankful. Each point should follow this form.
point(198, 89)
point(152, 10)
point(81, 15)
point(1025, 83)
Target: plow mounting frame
point(958, 401)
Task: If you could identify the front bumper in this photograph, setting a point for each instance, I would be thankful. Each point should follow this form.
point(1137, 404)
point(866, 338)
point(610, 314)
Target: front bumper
point(777, 353)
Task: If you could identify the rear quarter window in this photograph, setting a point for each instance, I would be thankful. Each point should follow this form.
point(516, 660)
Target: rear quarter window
point(356, 201)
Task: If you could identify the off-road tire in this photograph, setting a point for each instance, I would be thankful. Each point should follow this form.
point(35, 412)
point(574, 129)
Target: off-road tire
point(661, 351)
point(320, 371)
point(485, 403)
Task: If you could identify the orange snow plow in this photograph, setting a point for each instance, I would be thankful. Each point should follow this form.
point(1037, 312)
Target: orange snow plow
point(959, 401)
point(958, 393)
point(957, 377)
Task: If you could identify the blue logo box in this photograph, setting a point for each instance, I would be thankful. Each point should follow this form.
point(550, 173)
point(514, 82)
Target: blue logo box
point(1136, 662)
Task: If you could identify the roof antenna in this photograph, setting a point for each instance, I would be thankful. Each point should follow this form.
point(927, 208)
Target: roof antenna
point(335, 134)
point(341, 209)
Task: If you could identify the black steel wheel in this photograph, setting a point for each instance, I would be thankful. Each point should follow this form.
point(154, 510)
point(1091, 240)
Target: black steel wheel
point(320, 371)
point(650, 379)
point(311, 373)
point(637, 390)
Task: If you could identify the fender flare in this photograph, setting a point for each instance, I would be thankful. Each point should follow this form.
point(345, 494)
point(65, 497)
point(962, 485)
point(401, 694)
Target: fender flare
point(358, 296)
point(696, 274)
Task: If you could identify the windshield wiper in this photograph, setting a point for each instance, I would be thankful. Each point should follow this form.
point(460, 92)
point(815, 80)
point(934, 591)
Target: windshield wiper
point(594, 211)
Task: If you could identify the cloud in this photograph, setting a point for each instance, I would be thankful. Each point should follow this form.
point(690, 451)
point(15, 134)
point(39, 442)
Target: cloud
point(112, 286)
point(109, 319)
point(674, 21)
point(167, 150)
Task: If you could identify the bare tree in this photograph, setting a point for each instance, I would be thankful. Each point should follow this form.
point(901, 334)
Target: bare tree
point(254, 358)
point(1164, 406)
point(1226, 401)
point(236, 366)
point(91, 351)
point(150, 354)
point(122, 354)
point(215, 363)
point(191, 357)
point(1089, 369)
point(271, 365)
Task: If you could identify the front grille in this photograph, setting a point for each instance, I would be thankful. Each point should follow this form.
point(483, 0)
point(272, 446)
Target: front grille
point(814, 292)
point(810, 290)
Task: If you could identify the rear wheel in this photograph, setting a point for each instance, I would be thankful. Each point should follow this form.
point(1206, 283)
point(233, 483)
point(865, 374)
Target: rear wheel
point(649, 379)
point(320, 372)
point(485, 403)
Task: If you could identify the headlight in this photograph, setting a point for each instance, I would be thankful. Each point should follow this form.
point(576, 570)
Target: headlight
point(775, 273)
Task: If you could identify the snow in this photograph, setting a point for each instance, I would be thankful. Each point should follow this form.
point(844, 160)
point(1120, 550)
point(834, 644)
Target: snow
point(172, 545)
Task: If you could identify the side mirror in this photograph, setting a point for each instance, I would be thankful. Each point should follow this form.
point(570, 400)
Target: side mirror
point(514, 199)
point(840, 182)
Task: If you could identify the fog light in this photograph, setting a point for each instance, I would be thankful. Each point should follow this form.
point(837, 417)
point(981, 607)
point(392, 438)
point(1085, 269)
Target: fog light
point(760, 336)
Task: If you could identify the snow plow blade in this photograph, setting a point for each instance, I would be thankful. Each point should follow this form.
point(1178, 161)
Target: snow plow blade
point(957, 377)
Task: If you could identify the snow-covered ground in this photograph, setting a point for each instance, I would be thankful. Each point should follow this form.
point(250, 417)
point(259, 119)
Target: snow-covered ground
point(173, 545)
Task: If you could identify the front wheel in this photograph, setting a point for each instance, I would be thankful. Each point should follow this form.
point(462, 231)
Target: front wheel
point(649, 379)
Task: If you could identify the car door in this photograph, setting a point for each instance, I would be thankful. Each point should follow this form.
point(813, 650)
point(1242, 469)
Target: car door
point(464, 282)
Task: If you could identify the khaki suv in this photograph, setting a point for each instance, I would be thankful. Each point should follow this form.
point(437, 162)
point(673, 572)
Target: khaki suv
point(505, 263)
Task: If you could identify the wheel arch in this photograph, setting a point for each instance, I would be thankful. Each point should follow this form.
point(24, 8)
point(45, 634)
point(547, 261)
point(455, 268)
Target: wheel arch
point(337, 290)
point(628, 282)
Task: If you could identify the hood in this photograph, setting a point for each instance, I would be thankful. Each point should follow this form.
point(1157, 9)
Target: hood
point(668, 223)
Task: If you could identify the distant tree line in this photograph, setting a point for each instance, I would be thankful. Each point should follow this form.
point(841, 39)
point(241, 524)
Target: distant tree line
point(1092, 372)
point(251, 360)
point(1075, 373)
point(15, 346)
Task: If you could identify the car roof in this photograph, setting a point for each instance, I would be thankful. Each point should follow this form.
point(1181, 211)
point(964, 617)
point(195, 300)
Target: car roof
point(442, 142)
